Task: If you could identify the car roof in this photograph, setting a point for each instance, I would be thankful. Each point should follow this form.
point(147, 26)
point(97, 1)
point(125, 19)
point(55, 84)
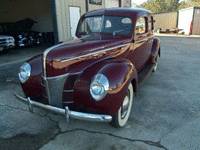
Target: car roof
point(130, 12)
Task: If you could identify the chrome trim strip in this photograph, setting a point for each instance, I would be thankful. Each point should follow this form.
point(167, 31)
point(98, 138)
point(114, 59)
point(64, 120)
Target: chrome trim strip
point(49, 49)
point(61, 76)
point(95, 53)
point(56, 77)
point(69, 102)
point(65, 112)
point(45, 96)
point(68, 91)
point(102, 23)
point(44, 68)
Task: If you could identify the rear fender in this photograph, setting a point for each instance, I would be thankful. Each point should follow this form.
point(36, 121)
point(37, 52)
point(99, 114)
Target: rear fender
point(155, 51)
point(119, 72)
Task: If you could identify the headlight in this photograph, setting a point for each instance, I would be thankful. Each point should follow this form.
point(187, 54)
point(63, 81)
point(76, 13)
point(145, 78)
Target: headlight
point(99, 87)
point(20, 36)
point(25, 72)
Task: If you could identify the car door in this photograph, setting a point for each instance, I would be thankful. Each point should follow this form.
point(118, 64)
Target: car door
point(142, 43)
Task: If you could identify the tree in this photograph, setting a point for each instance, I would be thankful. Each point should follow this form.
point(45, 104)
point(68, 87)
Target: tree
point(152, 5)
point(160, 6)
point(184, 4)
point(189, 3)
point(195, 3)
point(174, 4)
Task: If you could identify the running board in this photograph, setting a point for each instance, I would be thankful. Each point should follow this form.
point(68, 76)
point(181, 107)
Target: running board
point(144, 74)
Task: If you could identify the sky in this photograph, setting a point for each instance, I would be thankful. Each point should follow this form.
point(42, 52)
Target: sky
point(138, 2)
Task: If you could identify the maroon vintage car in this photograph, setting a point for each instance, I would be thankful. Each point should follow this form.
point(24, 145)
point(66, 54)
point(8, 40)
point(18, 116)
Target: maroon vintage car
point(94, 76)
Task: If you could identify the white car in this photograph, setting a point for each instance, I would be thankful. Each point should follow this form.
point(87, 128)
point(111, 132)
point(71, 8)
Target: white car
point(6, 42)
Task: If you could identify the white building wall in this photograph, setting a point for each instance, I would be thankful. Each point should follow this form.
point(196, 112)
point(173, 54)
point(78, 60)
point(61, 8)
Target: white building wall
point(111, 3)
point(185, 19)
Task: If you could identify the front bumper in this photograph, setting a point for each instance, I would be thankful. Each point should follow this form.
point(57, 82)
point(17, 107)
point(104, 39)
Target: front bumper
point(6, 46)
point(66, 112)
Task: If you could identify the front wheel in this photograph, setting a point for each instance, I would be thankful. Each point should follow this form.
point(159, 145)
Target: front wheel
point(121, 117)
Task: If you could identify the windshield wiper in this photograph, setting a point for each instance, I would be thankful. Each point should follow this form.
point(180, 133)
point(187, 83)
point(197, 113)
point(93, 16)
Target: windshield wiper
point(118, 31)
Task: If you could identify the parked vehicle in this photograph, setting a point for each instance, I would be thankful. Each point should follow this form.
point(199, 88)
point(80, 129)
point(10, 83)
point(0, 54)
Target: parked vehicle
point(6, 42)
point(22, 33)
point(95, 76)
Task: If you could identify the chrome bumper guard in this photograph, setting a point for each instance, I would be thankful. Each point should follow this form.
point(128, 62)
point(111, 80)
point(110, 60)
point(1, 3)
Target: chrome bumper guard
point(66, 112)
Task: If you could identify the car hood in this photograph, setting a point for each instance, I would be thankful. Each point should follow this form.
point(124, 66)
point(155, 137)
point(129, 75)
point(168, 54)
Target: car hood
point(5, 36)
point(65, 57)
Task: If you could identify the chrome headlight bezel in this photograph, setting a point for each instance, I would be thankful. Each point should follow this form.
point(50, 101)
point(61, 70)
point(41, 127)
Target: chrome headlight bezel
point(25, 72)
point(99, 87)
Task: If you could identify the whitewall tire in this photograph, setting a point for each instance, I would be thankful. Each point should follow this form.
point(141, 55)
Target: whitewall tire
point(121, 117)
point(155, 67)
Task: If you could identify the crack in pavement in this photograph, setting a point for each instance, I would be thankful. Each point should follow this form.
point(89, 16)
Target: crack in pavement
point(165, 135)
point(5, 105)
point(54, 137)
point(30, 141)
point(151, 143)
point(156, 144)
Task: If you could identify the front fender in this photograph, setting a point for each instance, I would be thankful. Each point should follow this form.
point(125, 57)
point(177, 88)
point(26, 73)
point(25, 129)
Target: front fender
point(32, 88)
point(155, 51)
point(119, 72)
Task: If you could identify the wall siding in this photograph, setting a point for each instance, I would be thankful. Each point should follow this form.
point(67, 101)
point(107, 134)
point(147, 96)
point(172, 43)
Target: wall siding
point(94, 6)
point(165, 21)
point(111, 3)
point(63, 15)
point(196, 22)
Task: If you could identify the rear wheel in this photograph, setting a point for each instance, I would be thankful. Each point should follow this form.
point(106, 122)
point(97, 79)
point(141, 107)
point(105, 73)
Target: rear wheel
point(155, 67)
point(121, 117)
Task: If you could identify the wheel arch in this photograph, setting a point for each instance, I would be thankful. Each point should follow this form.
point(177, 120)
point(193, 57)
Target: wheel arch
point(120, 73)
point(135, 85)
point(155, 50)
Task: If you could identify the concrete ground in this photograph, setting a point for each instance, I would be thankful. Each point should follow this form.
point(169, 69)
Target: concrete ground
point(165, 113)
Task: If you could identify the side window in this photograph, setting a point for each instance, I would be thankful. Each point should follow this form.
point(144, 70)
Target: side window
point(141, 25)
point(152, 22)
point(126, 21)
point(108, 24)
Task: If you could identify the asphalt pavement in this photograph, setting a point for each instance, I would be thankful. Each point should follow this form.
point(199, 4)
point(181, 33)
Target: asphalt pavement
point(165, 113)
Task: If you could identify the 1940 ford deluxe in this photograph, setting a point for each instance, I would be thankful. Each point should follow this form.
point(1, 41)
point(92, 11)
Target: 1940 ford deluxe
point(94, 76)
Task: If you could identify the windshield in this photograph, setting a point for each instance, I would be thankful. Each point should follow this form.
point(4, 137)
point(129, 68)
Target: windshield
point(105, 24)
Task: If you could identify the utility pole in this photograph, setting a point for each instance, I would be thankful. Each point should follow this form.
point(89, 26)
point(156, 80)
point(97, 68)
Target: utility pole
point(120, 3)
point(86, 5)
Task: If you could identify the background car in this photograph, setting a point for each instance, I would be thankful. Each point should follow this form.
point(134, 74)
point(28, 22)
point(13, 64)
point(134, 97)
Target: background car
point(22, 33)
point(6, 42)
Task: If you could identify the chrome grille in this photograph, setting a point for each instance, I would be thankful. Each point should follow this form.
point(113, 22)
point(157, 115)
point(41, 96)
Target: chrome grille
point(54, 88)
point(68, 88)
point(3, 41)
point(59, 86)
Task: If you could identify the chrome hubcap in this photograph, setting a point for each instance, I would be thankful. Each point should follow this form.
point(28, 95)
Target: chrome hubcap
point(125, 105)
